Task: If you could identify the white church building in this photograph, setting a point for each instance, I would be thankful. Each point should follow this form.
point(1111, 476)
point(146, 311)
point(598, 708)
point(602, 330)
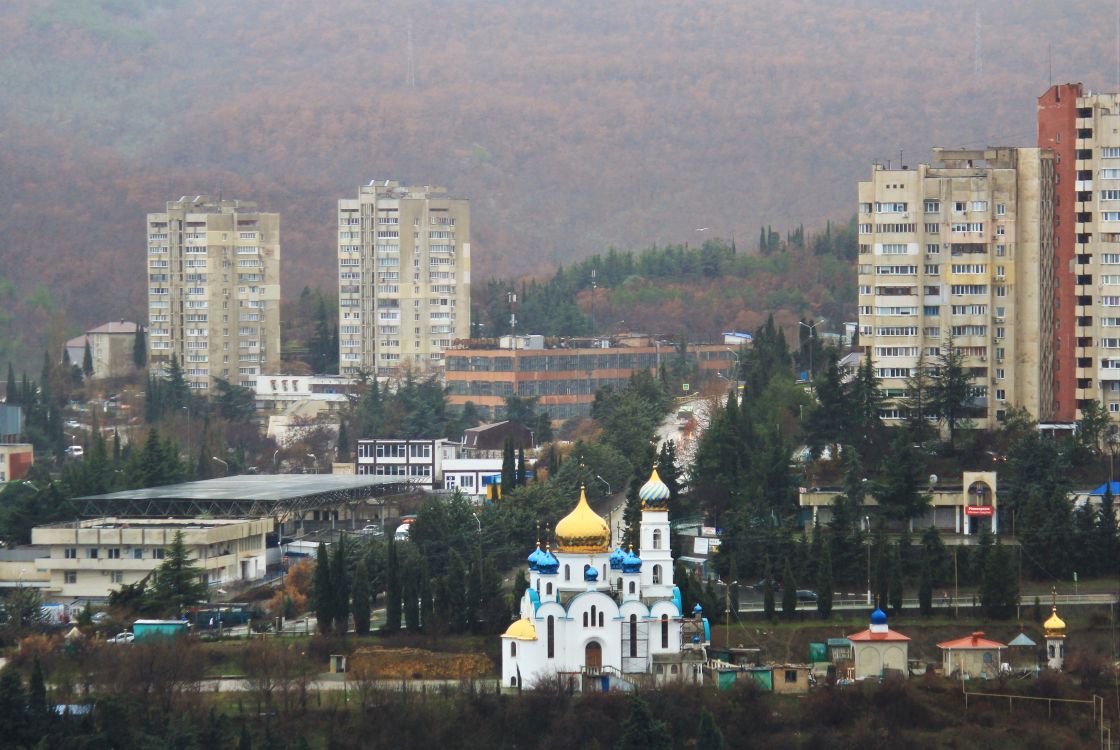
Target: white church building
point(597, 619)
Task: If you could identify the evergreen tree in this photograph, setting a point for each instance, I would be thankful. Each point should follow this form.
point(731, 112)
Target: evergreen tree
point(139, 348)
point(509, 468)
point(641, 731)
point(831, 420)
point(896, 580)
point(520, 584)
point(87, 360)
point(340, 587)
point(916, 404)
point(11, 396)
point(1107, 551)
point(343, 450)
point(899, 491)
point(521, 475)
point(708, 736)
point(245, 740)
point(925, 586)
point(951, 388)
point(410, 592)
point(867, 402)
point(13, 707)
point(824, 579)
point(789, 591)
point(456, 599)
point(392, 589)
point(999, 590)
point(494, 607)
point(360, 597)
point(936, 555)
point(427, 606)
point(768, 593)
point(177, 583)
point(324, 591)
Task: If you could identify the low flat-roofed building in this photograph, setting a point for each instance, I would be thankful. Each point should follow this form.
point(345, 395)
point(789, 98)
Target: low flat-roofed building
point(88, 559)
point(275, 394)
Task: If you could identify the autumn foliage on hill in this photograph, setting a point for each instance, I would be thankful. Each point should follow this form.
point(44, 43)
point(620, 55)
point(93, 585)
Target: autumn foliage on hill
point(571, 127)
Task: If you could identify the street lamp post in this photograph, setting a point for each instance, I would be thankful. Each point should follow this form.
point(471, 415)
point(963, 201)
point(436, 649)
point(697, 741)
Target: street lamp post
point(812, 337)
point(867, 522)
point(225, 465)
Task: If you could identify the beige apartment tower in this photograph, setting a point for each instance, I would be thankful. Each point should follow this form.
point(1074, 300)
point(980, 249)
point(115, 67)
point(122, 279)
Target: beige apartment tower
point(214, 290)
point(404, 275)
point(963, 250)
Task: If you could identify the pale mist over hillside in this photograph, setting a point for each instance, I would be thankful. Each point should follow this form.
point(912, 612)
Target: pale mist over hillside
point(570, 126)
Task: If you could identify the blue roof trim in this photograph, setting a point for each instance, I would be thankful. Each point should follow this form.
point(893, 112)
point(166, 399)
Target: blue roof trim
point(535, 600)
point(677, 600)
point(1100, 490)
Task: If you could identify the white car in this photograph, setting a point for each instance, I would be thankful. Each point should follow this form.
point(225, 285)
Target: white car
point(75, 451)
point(125, 637)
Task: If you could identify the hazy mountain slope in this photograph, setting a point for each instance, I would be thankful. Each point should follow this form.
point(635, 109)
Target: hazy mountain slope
point(570, 126)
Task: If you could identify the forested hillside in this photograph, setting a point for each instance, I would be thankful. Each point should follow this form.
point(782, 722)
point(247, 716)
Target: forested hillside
point(571, 127)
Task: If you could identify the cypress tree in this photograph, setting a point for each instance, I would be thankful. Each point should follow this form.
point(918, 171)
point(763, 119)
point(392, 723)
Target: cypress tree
point(824, 579)
point(509, 469)
point(87, 360)
point(1107, 552)
point(37, 695)
point(411, 593)
point(999, 591)
point(768, 593)
point(789, 590)
point(427, 606)
point(12, 393)
point(324, 593)
point(521, 476)
point(393, 589)
point(343, 451)
point(895, 583)
point(139, 348)
point(340, 585)
point(925, 587)
point(360, 597)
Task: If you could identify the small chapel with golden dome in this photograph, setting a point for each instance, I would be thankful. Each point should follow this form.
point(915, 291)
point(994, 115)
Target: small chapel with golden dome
point(598, 618)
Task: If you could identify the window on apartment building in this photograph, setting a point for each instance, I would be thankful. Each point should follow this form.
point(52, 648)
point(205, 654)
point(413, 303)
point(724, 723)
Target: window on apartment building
point(137, 554)
point(114, 554)
point(960, 207)
point(159, 554)
point(420, 451)
point(70, 553)
point(116, 577)
point(70, 576)
point(91, 553)
point(1001, 209)
point(932, 207)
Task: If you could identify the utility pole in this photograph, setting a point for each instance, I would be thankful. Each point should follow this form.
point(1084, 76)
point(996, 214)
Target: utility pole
point(956, 591)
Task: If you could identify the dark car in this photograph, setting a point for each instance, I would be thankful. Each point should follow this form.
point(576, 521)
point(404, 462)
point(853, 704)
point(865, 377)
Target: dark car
point(805, 595)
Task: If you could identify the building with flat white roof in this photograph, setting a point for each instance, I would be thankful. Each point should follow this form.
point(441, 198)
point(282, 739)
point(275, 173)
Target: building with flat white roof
point(88, 559)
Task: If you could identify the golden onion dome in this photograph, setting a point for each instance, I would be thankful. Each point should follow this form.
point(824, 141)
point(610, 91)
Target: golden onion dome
point(583, 530)
point(521, 630)
point(1054, 626)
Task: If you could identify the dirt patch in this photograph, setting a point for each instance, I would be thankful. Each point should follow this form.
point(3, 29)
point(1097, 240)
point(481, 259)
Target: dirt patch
point(420, 664)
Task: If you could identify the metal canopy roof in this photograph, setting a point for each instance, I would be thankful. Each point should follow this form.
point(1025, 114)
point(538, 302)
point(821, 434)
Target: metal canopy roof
point(248, 496)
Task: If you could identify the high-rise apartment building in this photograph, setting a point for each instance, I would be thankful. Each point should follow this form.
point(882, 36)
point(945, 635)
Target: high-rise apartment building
point(1083, 130)
point(963, 250)
point(404, 276)
point(214, 290)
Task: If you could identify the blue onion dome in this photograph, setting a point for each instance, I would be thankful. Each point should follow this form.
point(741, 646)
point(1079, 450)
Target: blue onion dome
point(534, 558)
point(631, 563)
point(616, 558)
point(591, 574)
point(547, 564)
point(697, 609)
point(654, 494)
point(878, 617)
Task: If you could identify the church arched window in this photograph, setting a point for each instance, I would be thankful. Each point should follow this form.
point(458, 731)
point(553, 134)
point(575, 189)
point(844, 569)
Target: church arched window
point(631, 587)
point(657, 574)
point(593, 615)
point(513, 681)
point(551, 637)
point(633, 635)
point(548, 590)
point(567, 573)
point(657, 538)
point(600, 619)
point(512, 648)
point(664, 631)
point(585, 619)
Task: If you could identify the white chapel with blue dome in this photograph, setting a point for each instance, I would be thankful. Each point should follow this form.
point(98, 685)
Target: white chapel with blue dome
point(601, 619)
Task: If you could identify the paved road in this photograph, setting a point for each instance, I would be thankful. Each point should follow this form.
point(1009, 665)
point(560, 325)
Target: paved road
point(339, 682)
point(859, 602)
